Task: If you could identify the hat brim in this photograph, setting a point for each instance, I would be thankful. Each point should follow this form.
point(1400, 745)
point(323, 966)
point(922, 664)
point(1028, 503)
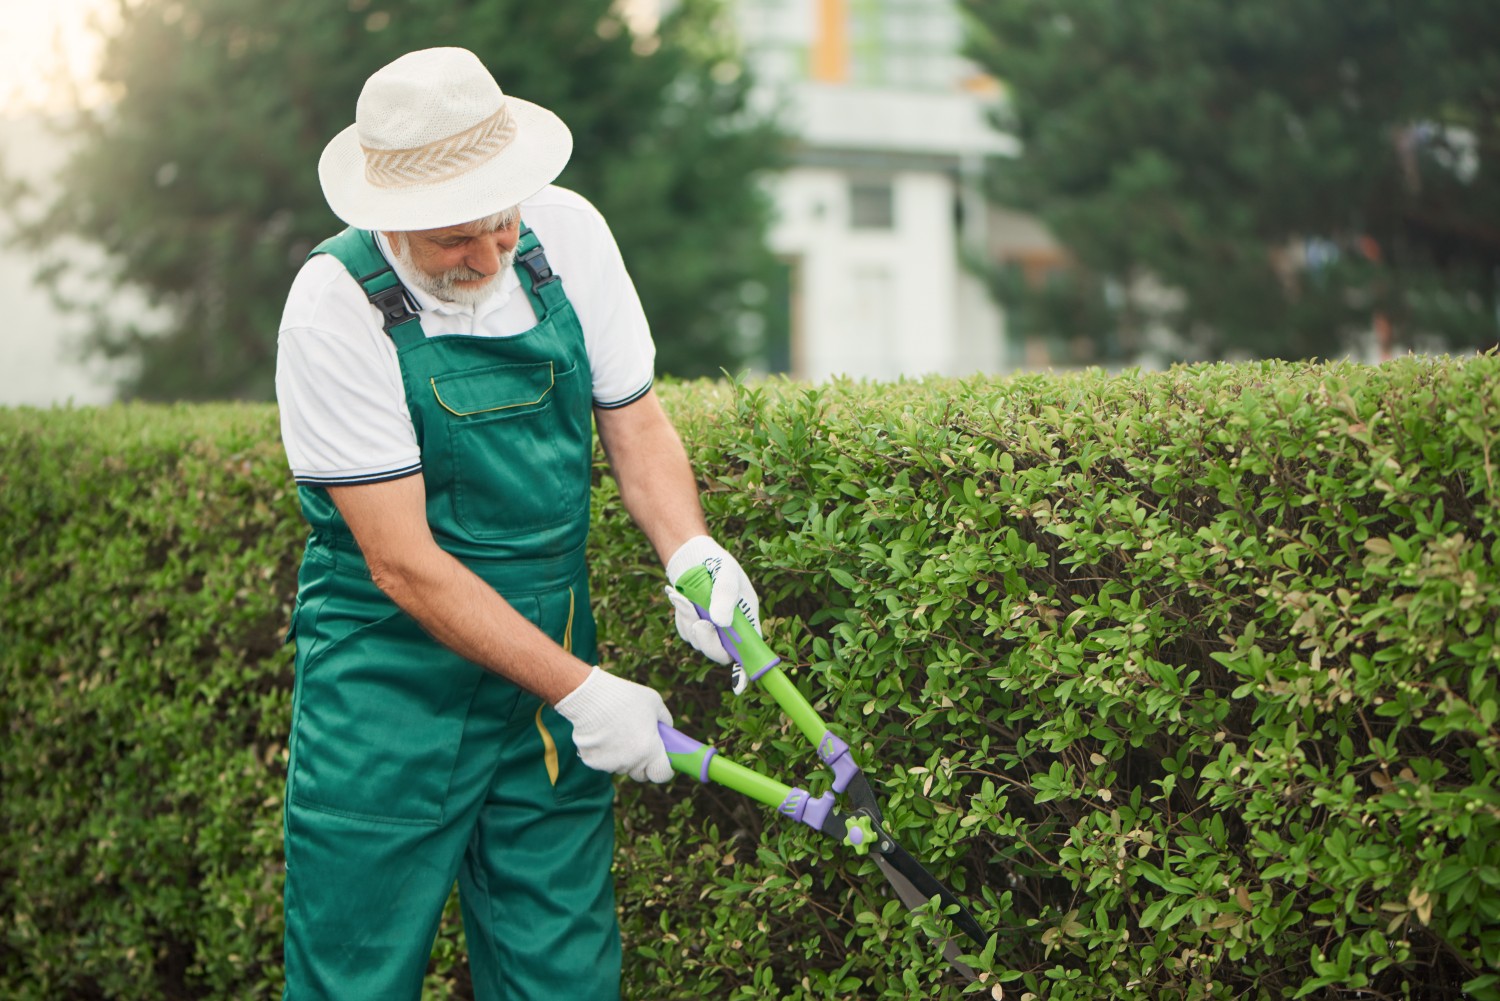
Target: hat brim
point(531, 161)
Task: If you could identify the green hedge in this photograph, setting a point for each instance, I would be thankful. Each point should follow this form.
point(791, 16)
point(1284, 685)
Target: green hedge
point(1187, 680)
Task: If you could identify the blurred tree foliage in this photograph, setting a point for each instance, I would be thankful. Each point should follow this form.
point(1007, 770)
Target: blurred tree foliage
point(199, 180)
point(1270, 176)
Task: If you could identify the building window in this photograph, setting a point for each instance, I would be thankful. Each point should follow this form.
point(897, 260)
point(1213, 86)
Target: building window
point(871, 206)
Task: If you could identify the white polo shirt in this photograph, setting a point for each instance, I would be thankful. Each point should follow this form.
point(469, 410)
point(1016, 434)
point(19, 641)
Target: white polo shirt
point(344, 418)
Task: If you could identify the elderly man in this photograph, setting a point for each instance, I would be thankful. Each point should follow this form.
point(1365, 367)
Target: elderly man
point(439, 363)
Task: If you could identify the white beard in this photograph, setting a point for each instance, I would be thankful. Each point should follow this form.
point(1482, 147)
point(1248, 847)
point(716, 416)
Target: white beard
point(444, 287)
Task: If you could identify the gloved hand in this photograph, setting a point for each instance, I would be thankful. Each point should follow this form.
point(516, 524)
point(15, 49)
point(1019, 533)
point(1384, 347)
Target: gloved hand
point(614, 726)
point(731, 589)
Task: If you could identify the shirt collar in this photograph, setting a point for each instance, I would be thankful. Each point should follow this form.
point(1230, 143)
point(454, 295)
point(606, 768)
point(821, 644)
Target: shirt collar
point(504, 286)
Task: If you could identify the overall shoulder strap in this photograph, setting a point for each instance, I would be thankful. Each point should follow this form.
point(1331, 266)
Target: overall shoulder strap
point(543, 286)
point(355, 249)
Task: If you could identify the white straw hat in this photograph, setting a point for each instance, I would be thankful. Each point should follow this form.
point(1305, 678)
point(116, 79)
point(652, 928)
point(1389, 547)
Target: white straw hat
point(435, 143)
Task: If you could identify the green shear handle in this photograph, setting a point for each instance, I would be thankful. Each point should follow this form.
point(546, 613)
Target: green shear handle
point(745, 645)
point(692, 758)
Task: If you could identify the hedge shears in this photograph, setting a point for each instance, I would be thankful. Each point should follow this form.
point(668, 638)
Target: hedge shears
point(855, 819)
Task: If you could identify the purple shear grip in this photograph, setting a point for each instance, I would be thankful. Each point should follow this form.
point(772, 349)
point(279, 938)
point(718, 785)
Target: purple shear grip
point(817, 811)
point(770, 664)
point(727, 635)
point(812, 812)
point(730, 637)
point(835, 754)
point(677, 742)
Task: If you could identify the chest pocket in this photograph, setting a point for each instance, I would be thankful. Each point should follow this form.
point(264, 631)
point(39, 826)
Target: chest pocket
point(508, 435)
point(495, 389)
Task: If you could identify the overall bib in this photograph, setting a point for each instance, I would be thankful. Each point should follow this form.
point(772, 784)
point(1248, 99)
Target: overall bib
point(411, 767)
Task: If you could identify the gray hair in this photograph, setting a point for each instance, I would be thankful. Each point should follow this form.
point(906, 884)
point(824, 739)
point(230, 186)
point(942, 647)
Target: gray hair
point(504, 219)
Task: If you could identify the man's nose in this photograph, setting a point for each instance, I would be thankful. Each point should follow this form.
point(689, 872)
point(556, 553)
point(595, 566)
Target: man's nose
point(487, 253)
point(483, 257)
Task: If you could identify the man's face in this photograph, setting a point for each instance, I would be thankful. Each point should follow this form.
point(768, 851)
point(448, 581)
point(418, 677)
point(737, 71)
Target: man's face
point(459, 264)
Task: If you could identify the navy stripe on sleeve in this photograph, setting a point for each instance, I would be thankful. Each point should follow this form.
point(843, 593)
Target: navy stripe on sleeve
point(617, 404)
point(350, 481)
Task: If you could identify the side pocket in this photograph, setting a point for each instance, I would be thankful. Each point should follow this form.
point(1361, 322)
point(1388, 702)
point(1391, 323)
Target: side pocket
point(380, 721)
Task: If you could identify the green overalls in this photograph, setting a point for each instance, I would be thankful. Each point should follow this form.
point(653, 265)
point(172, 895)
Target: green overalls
point(412, 767)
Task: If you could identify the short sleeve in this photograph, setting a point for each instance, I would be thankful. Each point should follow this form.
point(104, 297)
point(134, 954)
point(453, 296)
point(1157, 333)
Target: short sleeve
point(616, 333)
point(344, 418)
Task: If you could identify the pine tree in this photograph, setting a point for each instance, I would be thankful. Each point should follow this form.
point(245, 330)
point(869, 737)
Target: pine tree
point(1293, 172)
point(199, 180)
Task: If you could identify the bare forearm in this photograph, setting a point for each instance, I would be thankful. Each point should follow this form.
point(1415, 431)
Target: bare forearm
point(664, 501)
point(467, 616)
point(657, 485)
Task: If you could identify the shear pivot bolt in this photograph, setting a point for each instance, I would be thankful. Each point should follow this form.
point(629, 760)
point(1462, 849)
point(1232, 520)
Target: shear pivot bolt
point(858, 834)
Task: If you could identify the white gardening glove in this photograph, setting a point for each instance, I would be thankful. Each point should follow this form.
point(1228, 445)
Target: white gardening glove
point(731, 589)
point(614, 726)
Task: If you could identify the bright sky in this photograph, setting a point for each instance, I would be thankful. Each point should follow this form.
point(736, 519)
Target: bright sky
point(42, 43)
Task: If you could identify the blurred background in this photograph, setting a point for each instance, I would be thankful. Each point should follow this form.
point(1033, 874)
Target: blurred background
point(874, 188)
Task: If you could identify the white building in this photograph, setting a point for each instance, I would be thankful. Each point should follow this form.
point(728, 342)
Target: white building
point(882, 200)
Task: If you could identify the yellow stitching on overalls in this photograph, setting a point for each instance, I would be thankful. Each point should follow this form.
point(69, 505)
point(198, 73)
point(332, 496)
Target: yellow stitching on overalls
point(549, 746)
point(551, 381)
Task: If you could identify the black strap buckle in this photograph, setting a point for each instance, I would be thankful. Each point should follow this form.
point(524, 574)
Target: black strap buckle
point(395, 303)
point(535, 263)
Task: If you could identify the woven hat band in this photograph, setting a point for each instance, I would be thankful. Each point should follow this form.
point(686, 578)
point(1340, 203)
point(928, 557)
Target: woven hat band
point(442, 159)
